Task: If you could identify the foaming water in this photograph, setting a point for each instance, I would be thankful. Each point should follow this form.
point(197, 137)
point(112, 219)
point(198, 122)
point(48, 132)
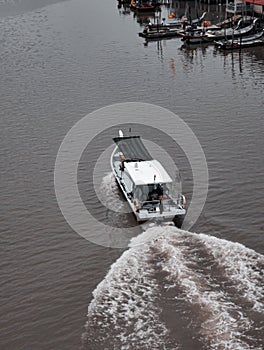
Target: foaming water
point(124, 306)
point(217, 285)
point(110, 195)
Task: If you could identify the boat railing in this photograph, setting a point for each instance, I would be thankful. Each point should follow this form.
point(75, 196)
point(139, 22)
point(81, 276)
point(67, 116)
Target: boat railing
point(237, 7)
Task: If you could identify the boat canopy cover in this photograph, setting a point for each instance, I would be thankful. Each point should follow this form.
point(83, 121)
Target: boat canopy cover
point(132, 148)
point(147, 172)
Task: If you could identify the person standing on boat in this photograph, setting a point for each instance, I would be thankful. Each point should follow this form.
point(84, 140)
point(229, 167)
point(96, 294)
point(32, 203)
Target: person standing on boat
point(156, 192)
point(122, 161)
point(150, 26)
point(183, 22)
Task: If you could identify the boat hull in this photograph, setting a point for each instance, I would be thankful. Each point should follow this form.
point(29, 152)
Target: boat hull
point(204, 36)
point(178, 220)
point(160, 34)
point(249, 41)
point(142, 8)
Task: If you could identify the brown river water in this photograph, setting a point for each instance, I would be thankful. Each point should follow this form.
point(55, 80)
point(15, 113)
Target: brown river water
point(196, 288)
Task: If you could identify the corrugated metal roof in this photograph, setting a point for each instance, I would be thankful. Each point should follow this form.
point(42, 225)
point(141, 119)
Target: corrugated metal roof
point(132, 148)
point(256, 2)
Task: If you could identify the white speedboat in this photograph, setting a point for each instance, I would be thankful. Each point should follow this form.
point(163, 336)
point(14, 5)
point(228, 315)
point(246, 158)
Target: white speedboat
point(146, 185)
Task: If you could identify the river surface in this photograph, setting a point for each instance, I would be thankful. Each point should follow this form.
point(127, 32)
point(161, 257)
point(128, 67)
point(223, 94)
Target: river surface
point(200, 288)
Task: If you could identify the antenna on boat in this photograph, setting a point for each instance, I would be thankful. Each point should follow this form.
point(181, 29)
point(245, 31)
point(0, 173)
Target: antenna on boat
point(129, 131)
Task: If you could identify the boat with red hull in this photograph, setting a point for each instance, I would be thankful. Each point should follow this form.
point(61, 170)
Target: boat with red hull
point(142, 7)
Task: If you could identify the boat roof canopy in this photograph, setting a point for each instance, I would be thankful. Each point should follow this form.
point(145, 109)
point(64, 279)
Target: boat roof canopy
point(132, 148)
point(147, 172)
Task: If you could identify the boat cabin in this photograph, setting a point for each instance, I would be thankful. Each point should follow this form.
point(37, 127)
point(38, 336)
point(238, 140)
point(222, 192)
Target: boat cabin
point(143, 178)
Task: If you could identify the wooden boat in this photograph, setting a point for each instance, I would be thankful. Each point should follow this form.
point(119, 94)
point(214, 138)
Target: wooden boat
point(229, 33)
point(159, 33)
point(231, 21)
point(256, 39)
point(194, 36)
point(140, 6)
point(177, 22)
point(201, 36)
point(166, 29)
point(145, 183)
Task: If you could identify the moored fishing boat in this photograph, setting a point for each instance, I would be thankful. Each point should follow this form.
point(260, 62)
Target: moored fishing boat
point(167, 29)
point(228, 33)
point(256, 39)
point(233, 21)
point(178, 22)
point(201, 36)
point(193, 36)
point(140, 6)
point(159, 33)
point(146, 185)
